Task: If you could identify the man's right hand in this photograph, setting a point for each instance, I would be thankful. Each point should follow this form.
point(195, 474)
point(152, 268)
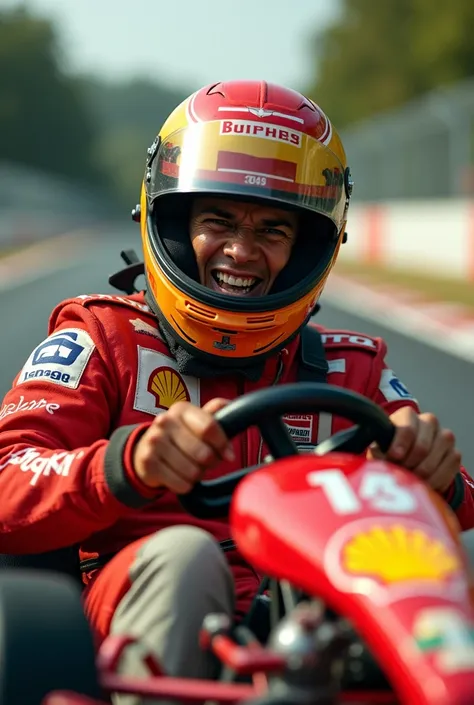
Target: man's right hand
point(180, 445)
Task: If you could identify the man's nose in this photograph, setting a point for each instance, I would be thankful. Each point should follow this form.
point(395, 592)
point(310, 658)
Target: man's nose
point(242, 246)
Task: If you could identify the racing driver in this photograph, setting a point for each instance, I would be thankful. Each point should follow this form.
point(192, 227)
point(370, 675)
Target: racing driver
point(243, 210)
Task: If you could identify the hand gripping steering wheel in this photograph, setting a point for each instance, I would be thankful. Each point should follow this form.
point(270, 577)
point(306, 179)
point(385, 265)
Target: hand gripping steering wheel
point(211, 498)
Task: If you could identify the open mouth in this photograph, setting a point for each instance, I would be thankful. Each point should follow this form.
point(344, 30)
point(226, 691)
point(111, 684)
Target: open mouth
point(231, 284)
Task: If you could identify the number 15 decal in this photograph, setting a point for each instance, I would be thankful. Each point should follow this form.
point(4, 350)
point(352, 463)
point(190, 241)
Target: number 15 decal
point(379, 490)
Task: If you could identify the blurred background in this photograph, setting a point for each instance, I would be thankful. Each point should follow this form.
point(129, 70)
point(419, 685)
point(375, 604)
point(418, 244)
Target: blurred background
point(86, 84)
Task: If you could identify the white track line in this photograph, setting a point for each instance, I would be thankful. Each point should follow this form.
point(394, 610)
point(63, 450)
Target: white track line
point(415, 321)
point(43, 259)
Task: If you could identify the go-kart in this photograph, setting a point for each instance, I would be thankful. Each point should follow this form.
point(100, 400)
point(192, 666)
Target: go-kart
point(366, 575)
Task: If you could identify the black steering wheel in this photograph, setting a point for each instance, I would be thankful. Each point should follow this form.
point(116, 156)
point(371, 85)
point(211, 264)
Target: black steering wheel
point(211, 498)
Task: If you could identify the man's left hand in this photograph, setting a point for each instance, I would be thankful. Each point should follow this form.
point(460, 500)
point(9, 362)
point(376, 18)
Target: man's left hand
point(421, 445)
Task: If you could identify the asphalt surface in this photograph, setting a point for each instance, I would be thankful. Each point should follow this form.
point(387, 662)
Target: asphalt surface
point(442, 384)
point(25, 309)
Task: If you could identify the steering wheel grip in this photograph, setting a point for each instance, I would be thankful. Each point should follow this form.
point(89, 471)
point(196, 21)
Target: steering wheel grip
point(268, 405)
point(264, 408)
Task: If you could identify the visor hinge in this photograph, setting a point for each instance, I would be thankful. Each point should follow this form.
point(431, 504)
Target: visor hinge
point(151, 152)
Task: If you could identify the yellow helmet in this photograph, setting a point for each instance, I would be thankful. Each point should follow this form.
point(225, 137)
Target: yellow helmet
point(245, 140)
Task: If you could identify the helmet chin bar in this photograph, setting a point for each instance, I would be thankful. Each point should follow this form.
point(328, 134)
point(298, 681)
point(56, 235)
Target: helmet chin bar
point(227, 363)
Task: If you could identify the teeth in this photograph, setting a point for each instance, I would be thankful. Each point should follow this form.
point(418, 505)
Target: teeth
point(235, 281)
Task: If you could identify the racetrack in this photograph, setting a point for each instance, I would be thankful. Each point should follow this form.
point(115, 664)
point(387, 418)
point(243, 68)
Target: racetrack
point(442, 384)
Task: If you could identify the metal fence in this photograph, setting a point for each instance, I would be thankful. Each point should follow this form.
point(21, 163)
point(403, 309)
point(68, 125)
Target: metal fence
point(423, 150)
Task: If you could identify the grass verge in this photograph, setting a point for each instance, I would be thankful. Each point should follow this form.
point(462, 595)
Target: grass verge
point(435, 288)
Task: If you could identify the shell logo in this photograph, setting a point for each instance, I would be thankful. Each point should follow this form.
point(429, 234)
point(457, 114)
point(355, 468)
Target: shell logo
point(397, 554)
point(168, 387)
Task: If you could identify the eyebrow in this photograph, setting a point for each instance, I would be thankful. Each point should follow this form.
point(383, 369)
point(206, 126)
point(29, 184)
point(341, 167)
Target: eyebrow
point(214, 210)
point(277, 222)
point(268, 222)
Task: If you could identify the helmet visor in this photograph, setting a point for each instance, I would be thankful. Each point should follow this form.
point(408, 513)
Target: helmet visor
point(250, 158)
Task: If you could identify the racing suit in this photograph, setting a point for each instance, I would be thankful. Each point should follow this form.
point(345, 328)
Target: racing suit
point(85, 395)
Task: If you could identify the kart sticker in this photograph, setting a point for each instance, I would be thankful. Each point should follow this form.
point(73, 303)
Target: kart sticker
point(160, 385)
point(61, 359)
point(392, 388)
point(388, 560)
point(443, 633)
point(30, 405)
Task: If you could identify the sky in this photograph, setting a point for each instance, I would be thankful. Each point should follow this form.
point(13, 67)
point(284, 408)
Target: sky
point(189, 43)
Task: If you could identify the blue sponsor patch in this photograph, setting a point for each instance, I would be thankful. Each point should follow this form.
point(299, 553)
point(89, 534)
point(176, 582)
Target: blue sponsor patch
point(60, 359)
point(392, 388)
point(59, 349)
point(400, 389)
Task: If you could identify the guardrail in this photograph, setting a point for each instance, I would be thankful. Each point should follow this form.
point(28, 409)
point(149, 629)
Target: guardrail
point(435, 237)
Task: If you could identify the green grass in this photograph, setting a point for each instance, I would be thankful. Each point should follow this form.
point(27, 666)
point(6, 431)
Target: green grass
point(9, 251)
point(454, 290)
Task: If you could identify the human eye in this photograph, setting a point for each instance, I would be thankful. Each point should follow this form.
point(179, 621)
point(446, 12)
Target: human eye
point(274, 232)
point(219, 222)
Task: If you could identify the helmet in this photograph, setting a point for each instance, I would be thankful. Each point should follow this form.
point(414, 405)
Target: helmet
point(242, 140)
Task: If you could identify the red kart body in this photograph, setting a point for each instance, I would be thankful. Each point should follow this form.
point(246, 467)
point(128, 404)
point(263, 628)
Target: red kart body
point(368, 539)
point(372, 542)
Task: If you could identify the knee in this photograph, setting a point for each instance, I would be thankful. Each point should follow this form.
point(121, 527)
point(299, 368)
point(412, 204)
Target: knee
point(187, 549)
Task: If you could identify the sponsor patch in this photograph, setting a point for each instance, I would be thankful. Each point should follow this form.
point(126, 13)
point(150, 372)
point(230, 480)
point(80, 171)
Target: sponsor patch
point(145, 328)
point(61, 358)
point(391, 387)
point(443, 633)
point(348, 339)
point(160, 385)
point(266, 131)
point(300, 427)
point(338, 365)
point(23, 405)
point(32, 460)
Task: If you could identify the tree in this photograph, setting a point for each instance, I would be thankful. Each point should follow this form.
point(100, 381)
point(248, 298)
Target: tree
point(42, 119)
point(379, 55)
point(128, 115)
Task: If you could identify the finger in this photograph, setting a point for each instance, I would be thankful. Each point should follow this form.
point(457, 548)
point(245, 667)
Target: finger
point(171, 456)
point(155, 458)
point(161, 451)
point(443, 443)
point(406, 430)
point(374, 452)
point(203, 425)
point(446, 471)
point(192, 447)
point(215, 404)
point(172, 480)
point(428, 428)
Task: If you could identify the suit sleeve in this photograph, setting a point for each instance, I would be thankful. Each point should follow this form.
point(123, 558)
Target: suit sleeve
point(63, 469)
point(392, 394)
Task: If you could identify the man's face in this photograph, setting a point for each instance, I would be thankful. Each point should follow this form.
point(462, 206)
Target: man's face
point(240, 247)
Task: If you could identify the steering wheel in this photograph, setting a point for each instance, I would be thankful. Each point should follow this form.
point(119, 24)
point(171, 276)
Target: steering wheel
point(211, 498)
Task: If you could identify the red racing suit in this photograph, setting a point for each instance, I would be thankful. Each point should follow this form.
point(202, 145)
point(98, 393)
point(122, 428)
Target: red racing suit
point(69, 424)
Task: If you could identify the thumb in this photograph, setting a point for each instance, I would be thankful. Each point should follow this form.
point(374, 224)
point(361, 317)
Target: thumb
point(215, 404)
point(374, 452)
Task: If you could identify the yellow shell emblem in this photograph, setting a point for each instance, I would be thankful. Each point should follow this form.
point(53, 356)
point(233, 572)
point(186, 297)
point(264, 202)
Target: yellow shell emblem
point(168, 387)
point(397, 554)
